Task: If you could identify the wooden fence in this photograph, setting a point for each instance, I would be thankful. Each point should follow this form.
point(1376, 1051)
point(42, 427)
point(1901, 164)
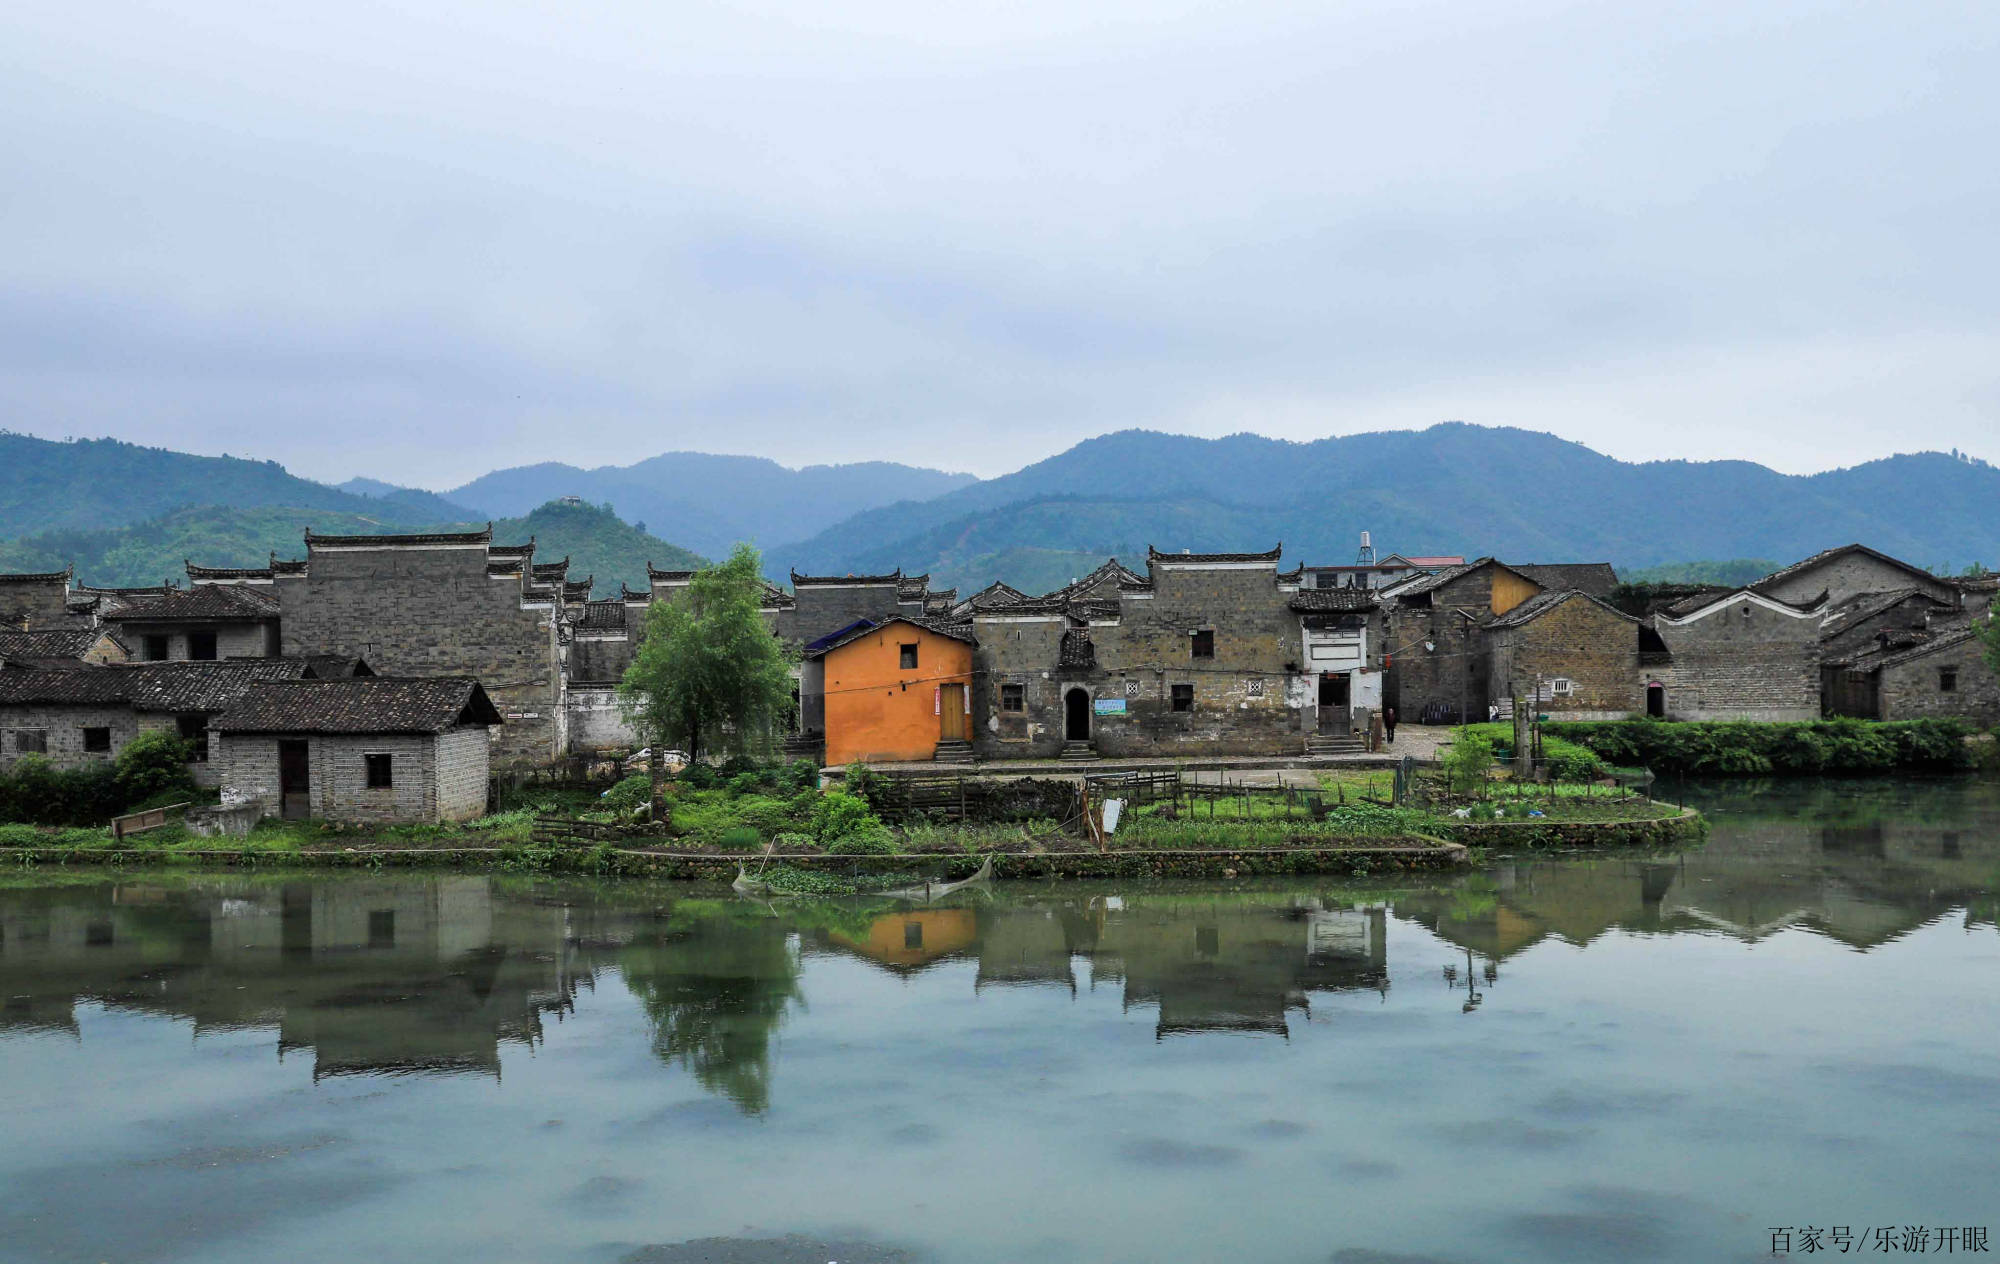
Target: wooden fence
point(569, 830)
point(140, 822)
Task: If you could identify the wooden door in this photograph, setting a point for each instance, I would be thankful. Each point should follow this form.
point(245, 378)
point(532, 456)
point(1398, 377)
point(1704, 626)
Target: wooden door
point(294, 781)
point(952, 698)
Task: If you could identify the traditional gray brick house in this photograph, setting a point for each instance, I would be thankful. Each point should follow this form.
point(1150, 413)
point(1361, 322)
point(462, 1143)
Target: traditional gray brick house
point(1574, 655)
point(1202, 655)
point(80, 713)
point(1939, 673)
point(1849, 571)
point(1435, 623)
point(380, 750)
point(205, 622)
point(446, 604)
point(1737, 655)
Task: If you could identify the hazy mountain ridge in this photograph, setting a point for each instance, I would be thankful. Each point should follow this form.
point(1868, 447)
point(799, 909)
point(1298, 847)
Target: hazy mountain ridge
point(1452, 488)
point(708, 502)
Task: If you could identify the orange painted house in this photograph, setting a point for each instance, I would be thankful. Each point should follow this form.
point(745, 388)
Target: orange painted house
point(891, 691)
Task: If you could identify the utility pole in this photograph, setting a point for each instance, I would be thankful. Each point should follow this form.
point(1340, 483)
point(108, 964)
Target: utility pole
point(1524, 755)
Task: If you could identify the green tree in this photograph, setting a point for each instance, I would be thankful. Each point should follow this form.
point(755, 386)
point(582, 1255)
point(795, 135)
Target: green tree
point(1989, 635)
point(709, 677)
point(1467, 760)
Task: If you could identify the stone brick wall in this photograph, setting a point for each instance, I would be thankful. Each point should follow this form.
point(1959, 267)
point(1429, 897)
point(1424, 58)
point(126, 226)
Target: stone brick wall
point(1729, 665)
point(598, 656)
point(36, 606)
point(1595, 649)
point(1017, 650)
point(1451, 674)
point(63, 728)
point(1855, 573)
point(433, 611)
point(598, 722)
point(435, 779)
point(824, 608)
point(1910, 689)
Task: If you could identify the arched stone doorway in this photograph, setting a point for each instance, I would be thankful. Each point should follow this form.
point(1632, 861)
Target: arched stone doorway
point(1076, 716)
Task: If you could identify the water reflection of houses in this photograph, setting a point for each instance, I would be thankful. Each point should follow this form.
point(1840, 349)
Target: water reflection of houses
point(1859, 866)
point(1205, 963)
point(368, 977)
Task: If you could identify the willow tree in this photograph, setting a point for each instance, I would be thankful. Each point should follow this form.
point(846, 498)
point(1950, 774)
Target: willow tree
point(709, 677)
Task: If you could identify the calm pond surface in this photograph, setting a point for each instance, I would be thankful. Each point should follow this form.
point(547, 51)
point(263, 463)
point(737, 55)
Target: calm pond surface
point(1604, 1059)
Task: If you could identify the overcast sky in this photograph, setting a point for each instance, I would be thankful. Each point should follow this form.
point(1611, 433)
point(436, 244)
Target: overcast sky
point(424, 241)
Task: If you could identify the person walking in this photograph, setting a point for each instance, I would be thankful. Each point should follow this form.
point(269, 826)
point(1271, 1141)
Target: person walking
point(1389, 723)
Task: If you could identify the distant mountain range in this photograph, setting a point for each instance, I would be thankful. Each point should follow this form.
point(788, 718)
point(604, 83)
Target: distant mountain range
point(709, 503)
point(1452, 488)
point(124, 512)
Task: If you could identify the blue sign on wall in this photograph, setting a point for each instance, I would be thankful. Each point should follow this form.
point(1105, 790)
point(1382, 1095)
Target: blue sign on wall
point(1109, 706)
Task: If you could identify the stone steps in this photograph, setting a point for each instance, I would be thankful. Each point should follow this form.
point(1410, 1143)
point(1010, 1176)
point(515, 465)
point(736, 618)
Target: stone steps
point(1320, 744)
point(1078, 753)
point(952, 752)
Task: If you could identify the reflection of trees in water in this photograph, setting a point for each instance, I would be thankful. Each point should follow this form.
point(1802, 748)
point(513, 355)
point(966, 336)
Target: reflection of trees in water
point(715, 995)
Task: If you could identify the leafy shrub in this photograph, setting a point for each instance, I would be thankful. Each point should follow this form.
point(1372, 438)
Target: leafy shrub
point(742, 838)
point(839, 815)
point(154, 763)
point(1468, 758)
point(628, 794)
point(866, 842)
point(1568, 761)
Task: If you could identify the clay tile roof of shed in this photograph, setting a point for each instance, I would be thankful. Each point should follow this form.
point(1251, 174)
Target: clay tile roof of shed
point(369, 704)
point(207, 603)
point(1333, 599)
point(893, 577)
point(75, 685)
point(38, 577)
point(1541, 603)
point(56, 643)
point(955, 630)
point(413, 540)
point(1094, 608)
point(1272, 555)
point(1907, 644)
point(603, 616)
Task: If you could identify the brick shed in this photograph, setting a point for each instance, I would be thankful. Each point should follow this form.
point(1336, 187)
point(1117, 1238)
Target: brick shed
point(387, 750)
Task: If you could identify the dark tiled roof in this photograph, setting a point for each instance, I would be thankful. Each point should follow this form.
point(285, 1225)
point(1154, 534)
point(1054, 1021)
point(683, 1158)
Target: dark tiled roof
point(603, 616)
point(912, 587)
point(206, 603)
point(993, 595)
point(226, 572)
point(1154, 555)
point(776, 598)
point(1333, 599)
point(512, 550)
point(893, 577)
point(1094, 608)
point(330, 666)
point(1595, 578)
point(578, 589)
point(626, 594)
point(178, 686)
point(1541, 603)
point(38, 577)
point(957, 631)
point(1422, 584)
point(1076, 650)
point(1293, 575)
point(296, 566)
point(372, 704)
point(550, 570)
point(434, 537)
point(54, 643)
point(658, 576)
point(1865, 606)
point(1904, 645)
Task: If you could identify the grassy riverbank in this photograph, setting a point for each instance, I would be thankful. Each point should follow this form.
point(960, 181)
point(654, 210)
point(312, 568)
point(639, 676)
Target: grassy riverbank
point(1839, 747)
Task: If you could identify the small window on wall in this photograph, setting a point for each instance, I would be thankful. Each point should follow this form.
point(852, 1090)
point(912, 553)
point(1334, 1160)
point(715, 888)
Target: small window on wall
point(1183, 696)
point(97, 741)
point(1947, 680)
point(155, 648)
point(31, 742)
point(906, 657)
point(201, 646)
point(381, 771)
point(1253, 687)
point(1203, 644)
point(1010, 698)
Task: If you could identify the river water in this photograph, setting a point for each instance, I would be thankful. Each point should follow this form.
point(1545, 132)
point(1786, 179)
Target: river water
point(1602, 1059)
